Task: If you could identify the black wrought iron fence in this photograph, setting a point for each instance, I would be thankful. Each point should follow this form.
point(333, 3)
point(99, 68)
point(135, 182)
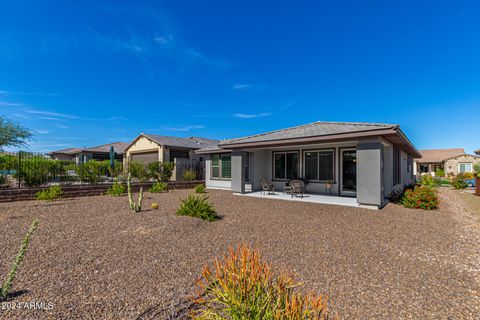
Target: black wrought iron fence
point(28, 169)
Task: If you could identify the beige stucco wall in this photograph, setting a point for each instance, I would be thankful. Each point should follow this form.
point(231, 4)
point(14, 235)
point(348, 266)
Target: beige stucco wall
point(144, 145)
point(451, 165)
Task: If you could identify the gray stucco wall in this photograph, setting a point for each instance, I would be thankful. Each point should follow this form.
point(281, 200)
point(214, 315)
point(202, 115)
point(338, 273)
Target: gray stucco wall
point(369, 173)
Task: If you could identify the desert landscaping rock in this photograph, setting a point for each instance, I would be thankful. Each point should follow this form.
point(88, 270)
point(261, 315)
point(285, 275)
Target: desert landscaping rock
point(93, 258)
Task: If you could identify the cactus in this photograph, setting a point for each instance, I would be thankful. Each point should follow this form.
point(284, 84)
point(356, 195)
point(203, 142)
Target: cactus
point(133, 206)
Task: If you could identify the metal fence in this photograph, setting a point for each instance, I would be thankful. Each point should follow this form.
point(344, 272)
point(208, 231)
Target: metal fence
point(28, 169)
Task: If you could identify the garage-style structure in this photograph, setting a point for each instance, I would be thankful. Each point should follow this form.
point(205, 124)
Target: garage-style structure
point(148, 148)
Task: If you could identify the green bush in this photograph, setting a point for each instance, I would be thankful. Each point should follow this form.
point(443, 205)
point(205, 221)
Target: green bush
point(50, 194)
point(8, 283)
point(138, 170)
point(458, 182)
point(199, 188)
point(429, 181)
point(439, 172)
point(116, 189)
point(92, 171)
point(476, 169)
point(159, 187)
point(167, 171)
point(420, 198)
point(189, 175)
point(444, 181)
point(197, 206)
point(3, 180)
point(243, 285)
point(8, 162)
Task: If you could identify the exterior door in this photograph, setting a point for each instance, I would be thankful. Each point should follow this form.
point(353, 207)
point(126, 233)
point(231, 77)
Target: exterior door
point(348, 172)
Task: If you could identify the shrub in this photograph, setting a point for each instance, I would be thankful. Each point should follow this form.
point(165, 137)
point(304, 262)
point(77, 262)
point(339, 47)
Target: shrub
point(197, 206)
point(466, 175)
point(3, 180)
point(50, 194)
point(476, 169)
point(458, 182)
point(445, 181)
point(138, 170)
point(159, 187)
point(420, 198)
point(167, 171)
point(8, 283)
point(189, 175)
point(242, 285)
point(439, 172)
point(117, 189)
point(92, 171)
point(199, 188)
point(429, 181)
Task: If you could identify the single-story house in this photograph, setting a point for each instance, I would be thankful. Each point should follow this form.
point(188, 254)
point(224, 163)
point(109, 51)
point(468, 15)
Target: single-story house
point(99, 153)
point(147, 148)
point(367, 161)
point(451, 161)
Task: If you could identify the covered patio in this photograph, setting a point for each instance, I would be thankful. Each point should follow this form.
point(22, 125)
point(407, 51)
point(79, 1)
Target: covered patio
point(312, 198)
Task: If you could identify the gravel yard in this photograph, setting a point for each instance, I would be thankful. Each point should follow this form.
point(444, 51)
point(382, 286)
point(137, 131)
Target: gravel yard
point(93, 258)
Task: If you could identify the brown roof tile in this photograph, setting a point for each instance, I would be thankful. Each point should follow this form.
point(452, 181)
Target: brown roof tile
point(439, 155)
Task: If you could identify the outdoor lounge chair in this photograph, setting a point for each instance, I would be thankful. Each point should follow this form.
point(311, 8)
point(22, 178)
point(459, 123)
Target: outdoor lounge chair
point(267, 187)
point(297, 187)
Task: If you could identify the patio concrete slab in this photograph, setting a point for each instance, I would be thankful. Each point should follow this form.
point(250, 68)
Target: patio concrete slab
point(312, 198)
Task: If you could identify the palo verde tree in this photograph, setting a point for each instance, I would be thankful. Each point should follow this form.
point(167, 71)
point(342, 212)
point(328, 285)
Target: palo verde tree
point(13, 134)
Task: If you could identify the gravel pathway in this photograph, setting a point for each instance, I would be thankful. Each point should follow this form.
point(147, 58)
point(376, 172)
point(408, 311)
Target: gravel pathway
point(92, 258)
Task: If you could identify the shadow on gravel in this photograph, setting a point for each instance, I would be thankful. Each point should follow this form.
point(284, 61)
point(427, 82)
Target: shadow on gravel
point(13, 295)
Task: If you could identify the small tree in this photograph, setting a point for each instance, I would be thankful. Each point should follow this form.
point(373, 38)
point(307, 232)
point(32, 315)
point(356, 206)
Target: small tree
point(13, 134)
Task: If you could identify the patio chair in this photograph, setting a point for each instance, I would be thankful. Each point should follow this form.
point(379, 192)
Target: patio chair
point(297, 187)
point(267, 187)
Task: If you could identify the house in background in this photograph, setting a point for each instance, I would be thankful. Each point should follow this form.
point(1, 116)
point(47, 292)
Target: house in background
point(452, 161)
point(99, 153)
point(366, 161)
point(477, 152)
point(147, 148)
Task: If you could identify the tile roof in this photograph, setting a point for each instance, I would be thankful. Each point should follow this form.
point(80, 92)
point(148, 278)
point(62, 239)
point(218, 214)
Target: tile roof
point(119, 147)
point(314, 129)
point(67, 151)
point(439, 155)
point(191, 142)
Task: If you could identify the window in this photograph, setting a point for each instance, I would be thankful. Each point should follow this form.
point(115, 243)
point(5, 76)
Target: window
point(464, 167)
point(221, 166)
point(246, 165)
point(285, 165)
point(319, 165)
point(397, 166)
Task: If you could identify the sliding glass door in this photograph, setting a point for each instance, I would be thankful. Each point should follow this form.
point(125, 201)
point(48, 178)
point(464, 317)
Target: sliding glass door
point(348, 172)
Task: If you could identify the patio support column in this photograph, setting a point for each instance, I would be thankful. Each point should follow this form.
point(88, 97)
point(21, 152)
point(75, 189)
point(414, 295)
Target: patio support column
point(370, 179)
point(238, 174)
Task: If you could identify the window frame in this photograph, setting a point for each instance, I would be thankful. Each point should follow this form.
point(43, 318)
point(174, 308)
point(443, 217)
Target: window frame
point(397, 166)
point(285, 152)
point(465, 163)
point(220, 166)
point(333, 180)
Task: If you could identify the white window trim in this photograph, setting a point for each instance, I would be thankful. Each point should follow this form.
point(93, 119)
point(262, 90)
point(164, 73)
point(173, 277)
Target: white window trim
point(220, 155)
point(465, 164)
point(318, 164)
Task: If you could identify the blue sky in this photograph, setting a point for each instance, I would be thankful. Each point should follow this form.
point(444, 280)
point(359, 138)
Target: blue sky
point(92, 72)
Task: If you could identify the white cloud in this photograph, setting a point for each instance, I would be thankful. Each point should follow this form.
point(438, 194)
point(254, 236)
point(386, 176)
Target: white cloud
point(41, 131)
point(61, 126)
point(9, 104)
point(19, 93)
point(51, 114)
point(250, 116)
point(50, 118)
point(184, 128)
point(21, 116)
point(241, 86)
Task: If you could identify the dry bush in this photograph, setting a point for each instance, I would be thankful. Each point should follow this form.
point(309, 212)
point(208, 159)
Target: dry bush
point(242, 285)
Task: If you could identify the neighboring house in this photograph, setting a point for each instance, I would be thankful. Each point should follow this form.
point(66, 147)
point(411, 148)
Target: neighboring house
point(452, 161)
point(99, 153)
point(363, 160)
point(477, 152)
point(147, 148)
